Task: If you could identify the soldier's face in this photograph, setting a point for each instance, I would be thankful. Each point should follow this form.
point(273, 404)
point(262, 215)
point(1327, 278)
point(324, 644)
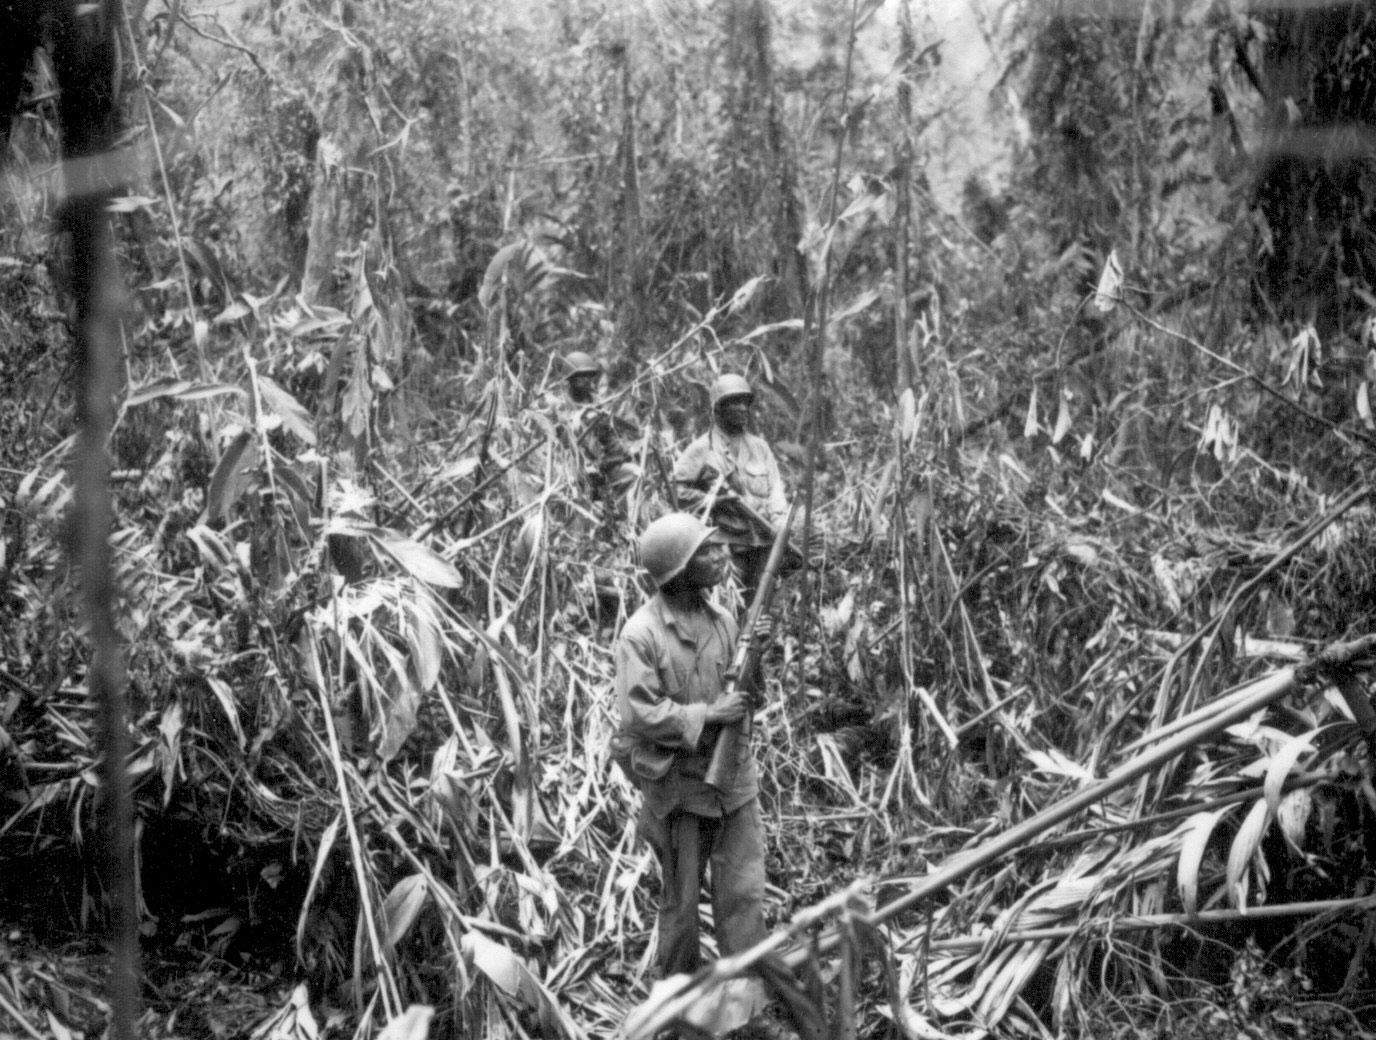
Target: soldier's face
point(733, 414)
point(582, 386)
point(707, 566)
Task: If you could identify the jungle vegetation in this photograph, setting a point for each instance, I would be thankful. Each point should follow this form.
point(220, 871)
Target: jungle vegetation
point(1086, 441)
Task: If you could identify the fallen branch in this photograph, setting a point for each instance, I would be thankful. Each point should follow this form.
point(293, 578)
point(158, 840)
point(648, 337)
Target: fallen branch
point(1143, 822)
point(1146, 922)
point(1263, 692)
point(1339, 658)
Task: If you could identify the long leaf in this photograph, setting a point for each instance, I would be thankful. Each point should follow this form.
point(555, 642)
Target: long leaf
point(322, 855)
point(180, 389)
point(402, 906)
point(1282, 762)
point(225, 696)
point(1198, 829)
point(287, 408)
point(411, 1024)
point(230, 478)
point(422, 563)
point(513, 977)
point(1246, 844)
point(426, 644)
point(1292, 815)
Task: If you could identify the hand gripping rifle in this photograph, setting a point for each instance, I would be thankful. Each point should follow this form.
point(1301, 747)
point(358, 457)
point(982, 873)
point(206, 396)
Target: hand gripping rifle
point(747, 656)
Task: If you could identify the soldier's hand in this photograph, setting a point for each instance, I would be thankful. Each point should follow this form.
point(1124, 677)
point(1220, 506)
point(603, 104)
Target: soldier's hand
point(730, 708)
point(763, 630)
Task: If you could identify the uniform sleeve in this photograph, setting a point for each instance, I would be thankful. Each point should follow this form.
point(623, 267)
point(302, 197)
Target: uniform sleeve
point(778, 501)
point(646, 711)
point(688, 466)
point(687, 476)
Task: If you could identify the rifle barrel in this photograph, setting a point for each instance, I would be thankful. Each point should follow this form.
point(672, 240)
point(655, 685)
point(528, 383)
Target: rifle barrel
point(747, 653)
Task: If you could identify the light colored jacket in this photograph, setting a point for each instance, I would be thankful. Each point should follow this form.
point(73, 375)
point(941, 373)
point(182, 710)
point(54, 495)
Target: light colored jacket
point(748, 464)
point(670, 665)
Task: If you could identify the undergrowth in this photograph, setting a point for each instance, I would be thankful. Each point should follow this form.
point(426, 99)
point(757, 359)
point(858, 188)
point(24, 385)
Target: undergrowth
point(368, 595)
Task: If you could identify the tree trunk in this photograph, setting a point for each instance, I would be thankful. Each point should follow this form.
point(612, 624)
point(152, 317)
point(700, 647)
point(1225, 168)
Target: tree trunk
point(350, 259)
point(343, 186)
point(764, 181)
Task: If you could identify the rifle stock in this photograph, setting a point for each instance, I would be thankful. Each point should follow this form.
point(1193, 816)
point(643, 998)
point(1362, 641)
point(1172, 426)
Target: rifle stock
point(743, 663)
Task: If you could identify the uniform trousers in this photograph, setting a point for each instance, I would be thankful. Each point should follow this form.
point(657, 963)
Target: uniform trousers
point(685, 845)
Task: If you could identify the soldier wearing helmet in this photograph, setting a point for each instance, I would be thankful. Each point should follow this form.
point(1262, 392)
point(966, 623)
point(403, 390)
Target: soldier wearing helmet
point(728, 467)
point(583, 372)
point(594, 432)
point(671, 665)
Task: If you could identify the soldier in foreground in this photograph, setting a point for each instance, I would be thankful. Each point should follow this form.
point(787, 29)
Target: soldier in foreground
point(671, 676)
point(733, 474)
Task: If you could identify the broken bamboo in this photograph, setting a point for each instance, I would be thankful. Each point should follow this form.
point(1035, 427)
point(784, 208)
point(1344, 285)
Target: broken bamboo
point(1339, 658)
point(1147, 922)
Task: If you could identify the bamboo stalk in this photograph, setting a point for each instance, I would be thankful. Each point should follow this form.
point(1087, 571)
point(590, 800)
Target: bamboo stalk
point(1146, 922)
point(1184, 721)
point(1142, 822)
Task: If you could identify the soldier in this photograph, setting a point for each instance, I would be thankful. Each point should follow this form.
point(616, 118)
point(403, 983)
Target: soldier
point(671, 674)
point(583, 375)
point(594, 432)
point(734, 474)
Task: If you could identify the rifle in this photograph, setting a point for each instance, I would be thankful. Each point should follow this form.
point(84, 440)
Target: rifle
point(793, 556)
point(746, 658)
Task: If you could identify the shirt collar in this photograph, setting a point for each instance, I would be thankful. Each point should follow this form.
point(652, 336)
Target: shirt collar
point(729, 438)
point(676, 622)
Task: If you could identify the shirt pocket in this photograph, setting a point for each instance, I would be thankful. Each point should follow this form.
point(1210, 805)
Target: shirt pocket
point(677, 678)
point(755, 478)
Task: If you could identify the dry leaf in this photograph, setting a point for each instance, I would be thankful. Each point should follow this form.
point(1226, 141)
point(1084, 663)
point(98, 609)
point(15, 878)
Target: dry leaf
point(1110, 288)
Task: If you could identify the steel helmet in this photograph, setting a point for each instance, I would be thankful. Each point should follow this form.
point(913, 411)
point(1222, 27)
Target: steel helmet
point(668, 544)
point(730, 385)
point(580, 363)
